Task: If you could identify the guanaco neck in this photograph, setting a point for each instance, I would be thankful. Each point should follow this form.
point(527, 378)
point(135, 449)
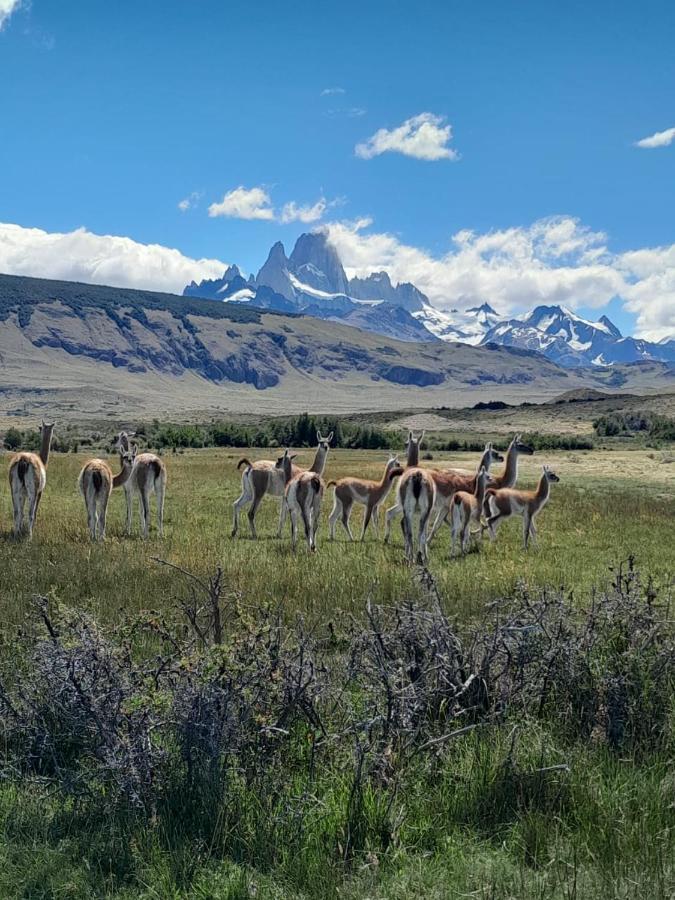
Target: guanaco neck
point(319, 463)
point(481, 484)
point(510, 474)
point(123, 476)
point(46, 443)
point(485, 461)
point(543, 489)
point(385, 481)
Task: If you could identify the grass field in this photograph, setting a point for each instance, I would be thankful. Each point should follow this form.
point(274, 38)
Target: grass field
point(612, 836)
point(608, 505)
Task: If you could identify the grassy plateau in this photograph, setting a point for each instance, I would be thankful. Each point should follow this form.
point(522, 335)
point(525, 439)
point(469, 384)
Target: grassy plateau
point(467, 823)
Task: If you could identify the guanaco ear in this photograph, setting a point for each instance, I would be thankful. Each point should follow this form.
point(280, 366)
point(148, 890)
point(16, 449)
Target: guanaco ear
point(330, 437)
point(292, 456)
point(421, 437)
point(318, 436)
point(410, 436)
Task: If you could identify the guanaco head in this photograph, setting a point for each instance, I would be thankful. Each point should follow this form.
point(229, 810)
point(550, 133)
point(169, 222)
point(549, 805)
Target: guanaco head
point(549, 475)
point(392, 463)
point(412, 447)
point(46, 429)
point(127, 457)
point(482, 479)
point(491, 455)
point(285, 464)
point(121, 442)
point(324, 442)
point(518, 445)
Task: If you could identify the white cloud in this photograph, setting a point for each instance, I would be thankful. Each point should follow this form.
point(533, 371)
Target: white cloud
point(256, 203)
point(332, 91)
point(7, 7)
point(191, 201)
point(553, 261)
point(424, 137)
point(659, 139)
point(100, 259)
point(291, 212)
point(244, 203)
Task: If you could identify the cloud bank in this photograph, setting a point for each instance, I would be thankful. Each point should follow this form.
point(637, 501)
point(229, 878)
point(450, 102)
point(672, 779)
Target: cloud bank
point(100, 259)
point(423, 137)
point(553, 261)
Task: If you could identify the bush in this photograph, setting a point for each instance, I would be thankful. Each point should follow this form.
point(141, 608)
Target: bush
point(653, 425)
point(298, 431)
point(224, 694)
point(13, 439)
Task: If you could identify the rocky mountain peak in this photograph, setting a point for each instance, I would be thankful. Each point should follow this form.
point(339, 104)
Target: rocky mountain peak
point(316, 263)
point(275, 272)
point(611, 327)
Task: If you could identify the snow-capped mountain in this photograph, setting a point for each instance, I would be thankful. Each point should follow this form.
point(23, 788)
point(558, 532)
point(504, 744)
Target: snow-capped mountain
point(313, 281)
point(570, 340)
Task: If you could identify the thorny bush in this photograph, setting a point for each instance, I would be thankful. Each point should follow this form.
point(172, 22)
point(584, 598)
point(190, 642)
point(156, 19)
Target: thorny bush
point(221, 693)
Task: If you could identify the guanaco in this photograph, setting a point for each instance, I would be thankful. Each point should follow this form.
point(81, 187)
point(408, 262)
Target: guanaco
point(467, 508)
point(263, 477)
point(449, 481)
point(528, 504)
point(303, 496)
point(416, 493)
point(96, 482)
point(27, 480)
point(371, 494)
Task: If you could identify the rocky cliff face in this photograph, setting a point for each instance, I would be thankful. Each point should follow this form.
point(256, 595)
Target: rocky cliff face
point(315, 262)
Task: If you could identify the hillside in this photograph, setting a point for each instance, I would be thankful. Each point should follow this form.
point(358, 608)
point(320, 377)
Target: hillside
point(86, 351)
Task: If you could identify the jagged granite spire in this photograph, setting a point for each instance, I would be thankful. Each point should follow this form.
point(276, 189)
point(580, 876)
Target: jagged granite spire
point(275, 273)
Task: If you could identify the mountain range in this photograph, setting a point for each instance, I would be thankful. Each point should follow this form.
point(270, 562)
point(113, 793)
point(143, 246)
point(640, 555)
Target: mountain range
point(313, 281)
point(82, 351)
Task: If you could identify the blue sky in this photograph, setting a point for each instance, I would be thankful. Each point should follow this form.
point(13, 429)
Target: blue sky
point(111, 114)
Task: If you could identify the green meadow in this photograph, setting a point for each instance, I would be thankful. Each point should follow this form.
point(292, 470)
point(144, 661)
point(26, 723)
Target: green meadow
point(460, 827)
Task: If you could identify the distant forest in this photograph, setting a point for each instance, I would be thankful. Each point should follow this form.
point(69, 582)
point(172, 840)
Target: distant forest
point(21, 295)
point(294, 431)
